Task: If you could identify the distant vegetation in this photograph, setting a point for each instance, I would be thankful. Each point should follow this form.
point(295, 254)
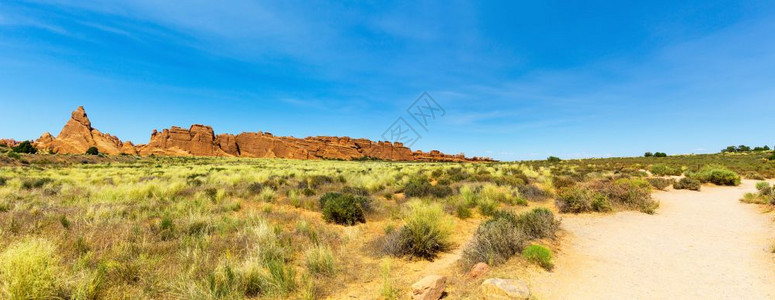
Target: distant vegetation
point(92, 151)
point(655, 154)
point(744, 148)
point(25, 147)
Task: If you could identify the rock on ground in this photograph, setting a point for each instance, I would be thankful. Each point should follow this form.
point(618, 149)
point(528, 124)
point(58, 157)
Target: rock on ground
point(499, 288)
point(429, 288)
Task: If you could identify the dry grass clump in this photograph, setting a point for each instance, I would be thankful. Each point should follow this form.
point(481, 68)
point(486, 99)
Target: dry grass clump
point(765, 194)
point(31, 269)
point(425, 233)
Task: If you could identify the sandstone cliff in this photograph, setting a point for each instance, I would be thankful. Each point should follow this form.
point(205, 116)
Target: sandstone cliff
point(200, 140)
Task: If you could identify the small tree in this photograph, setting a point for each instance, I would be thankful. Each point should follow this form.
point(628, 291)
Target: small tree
point(660, 154)
point(93, 151)
point(25, 147)
point(553, 159)
point(648, 154)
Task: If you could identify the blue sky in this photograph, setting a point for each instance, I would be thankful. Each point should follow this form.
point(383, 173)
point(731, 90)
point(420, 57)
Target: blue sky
point(517, 79)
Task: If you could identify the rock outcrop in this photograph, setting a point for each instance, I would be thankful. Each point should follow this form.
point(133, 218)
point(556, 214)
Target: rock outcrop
point(200, 140)
point(78, 135)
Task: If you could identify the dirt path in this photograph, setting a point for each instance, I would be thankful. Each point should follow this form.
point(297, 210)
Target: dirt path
point(704, 245)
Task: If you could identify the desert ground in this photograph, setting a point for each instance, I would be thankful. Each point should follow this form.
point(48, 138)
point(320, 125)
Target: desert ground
point(132, 227)
point(700, 245)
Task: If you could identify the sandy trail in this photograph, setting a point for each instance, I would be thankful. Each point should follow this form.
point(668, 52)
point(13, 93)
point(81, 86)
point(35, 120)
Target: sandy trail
point(699, 245)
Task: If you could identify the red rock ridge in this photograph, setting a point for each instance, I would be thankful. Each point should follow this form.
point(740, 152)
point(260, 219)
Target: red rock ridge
point(200, 140)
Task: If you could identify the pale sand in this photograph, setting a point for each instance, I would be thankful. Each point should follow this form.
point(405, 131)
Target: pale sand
point(699, 245)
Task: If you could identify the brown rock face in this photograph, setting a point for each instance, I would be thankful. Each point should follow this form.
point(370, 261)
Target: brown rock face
point(200, 140)
point(78, 135)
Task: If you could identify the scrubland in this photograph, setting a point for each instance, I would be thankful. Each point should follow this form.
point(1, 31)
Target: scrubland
point(81, 227)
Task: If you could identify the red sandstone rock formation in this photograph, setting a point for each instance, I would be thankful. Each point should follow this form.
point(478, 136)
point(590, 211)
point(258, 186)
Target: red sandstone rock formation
point(200, 140)
point(78, 135)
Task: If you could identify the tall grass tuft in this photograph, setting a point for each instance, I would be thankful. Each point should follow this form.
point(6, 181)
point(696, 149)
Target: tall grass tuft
point(31, 269)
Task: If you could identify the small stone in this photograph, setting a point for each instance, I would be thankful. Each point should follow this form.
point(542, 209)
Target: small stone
point(429, 288)
point(478, 270)
point(502, 289)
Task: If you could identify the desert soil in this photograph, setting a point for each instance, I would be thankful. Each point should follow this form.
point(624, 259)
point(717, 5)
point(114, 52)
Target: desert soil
point(699, 245)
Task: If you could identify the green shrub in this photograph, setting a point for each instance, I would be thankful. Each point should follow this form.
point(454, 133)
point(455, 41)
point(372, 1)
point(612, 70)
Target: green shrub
point(687, 183)
point(343, 209)
point(717, 175)
point(661, 183)
point(426, 232)
point(772, 157)
point(31, 269)
point(665, 170)
point(3, 181)
point(553, 159)
point(580, 199)
point(648, 154)
point(539, 255)
point(660, 154)
point(420, 187)
point(93, 151)
point(25, 147)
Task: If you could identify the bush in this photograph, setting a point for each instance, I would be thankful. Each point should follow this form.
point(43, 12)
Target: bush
point(30, 269)
point(553, 159)
point(661, 183)
point(717, 175)
point(540, 255)
point(632, 193)
point(344, 209)
point(505, 234)
point(648, 154)
point(538, 223)
point(665, 170)
point(532, 192)
point(660, 154)
point(764, 188)
point(420, 187)
point(580, 199)
point(25, 147)
point(495, 241)
point(772, 157)
point(426, 233)
point(93, 151)
point(687, 183)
